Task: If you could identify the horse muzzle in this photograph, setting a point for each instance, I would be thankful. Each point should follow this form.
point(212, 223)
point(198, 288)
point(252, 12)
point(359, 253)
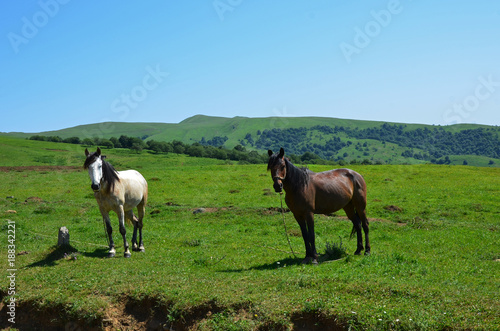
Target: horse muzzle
point(96, 187)
point(278, 185)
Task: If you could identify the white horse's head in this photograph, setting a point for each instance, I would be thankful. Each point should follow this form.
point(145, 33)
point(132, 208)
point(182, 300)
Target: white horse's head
point(94, 165)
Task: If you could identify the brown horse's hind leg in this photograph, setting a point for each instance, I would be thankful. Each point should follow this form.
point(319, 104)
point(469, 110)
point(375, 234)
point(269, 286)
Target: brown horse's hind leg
point(356, 223)
point(359, 200)
point(366, 229)
point(360, 210)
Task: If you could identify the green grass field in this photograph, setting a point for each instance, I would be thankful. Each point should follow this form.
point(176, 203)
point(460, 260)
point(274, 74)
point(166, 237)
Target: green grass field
point(435, 235)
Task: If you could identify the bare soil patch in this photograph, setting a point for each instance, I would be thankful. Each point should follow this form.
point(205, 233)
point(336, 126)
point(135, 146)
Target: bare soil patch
point(273, 210)
point(149, 314)
point(393, 208)
point(44, 168)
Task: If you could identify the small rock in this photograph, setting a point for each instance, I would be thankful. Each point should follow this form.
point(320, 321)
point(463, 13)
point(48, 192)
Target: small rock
point(199, 211)
point(11, 212)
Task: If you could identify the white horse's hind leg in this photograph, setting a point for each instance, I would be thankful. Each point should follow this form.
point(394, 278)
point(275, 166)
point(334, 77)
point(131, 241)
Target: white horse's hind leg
point(130, 215)
point(137, 246)
point(141, 208)
point(123, 231)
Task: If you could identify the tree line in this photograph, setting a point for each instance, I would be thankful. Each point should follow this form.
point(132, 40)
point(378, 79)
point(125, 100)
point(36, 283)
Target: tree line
point(436, 142)
point(317, 144)
point(238, 153)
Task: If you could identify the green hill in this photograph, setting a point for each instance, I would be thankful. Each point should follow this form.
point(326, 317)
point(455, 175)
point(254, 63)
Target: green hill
point(311, 137)
point(198, 126)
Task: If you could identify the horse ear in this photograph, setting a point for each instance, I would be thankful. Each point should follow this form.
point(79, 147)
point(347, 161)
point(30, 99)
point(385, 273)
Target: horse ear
point(87, 152)
point(98, 151)
point(270, 152)
point(282, 153)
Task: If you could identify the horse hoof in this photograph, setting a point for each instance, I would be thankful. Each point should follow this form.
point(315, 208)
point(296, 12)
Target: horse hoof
point(310, 260)
point(357, 253)
point(127, 255)
point(110, 255)
point(141, 249)
point(367, 253)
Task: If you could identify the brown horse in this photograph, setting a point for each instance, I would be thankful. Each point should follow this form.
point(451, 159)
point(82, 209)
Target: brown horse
point(309, 193)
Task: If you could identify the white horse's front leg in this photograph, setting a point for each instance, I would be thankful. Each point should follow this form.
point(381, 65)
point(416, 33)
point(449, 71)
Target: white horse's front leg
point(107, 221)
point(123, 231)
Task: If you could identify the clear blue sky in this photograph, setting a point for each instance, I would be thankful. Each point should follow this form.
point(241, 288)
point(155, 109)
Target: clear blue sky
point(66, 63)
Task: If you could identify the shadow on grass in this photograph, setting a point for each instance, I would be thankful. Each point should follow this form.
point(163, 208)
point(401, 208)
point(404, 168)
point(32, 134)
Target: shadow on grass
point(97, 253)
point(323, 258)
point(269, 266)
point(57, 253)
point(62, 252)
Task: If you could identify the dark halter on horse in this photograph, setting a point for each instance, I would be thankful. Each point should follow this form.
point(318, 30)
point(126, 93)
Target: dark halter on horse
point(109, 174)
point(298, 177)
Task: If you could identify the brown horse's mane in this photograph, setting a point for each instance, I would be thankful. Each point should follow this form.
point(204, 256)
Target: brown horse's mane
point(109, 174)
point(297, 177)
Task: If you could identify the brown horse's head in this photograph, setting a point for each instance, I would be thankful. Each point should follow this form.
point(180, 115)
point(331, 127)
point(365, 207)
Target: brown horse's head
point(277, 166)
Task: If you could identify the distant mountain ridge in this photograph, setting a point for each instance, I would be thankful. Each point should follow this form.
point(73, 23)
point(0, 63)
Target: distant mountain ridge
point(328, 138)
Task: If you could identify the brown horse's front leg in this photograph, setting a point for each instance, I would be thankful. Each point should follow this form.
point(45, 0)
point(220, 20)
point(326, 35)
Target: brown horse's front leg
point(312, 237)
point(307, 228)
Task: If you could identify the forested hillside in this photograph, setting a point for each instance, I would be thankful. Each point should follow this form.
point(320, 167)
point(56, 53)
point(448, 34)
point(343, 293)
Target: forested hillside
point(307, 139)
point(435, 143)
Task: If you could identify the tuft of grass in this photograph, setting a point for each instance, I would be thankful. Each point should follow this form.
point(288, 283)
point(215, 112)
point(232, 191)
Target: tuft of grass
point(192, 243)
point(44, 209)
point(334, 251)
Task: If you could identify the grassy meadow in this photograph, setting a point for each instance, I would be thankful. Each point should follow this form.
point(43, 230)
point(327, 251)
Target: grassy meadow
point(435, 235)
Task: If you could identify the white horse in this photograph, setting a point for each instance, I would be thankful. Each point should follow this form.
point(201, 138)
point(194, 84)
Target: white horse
point(121, 192)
